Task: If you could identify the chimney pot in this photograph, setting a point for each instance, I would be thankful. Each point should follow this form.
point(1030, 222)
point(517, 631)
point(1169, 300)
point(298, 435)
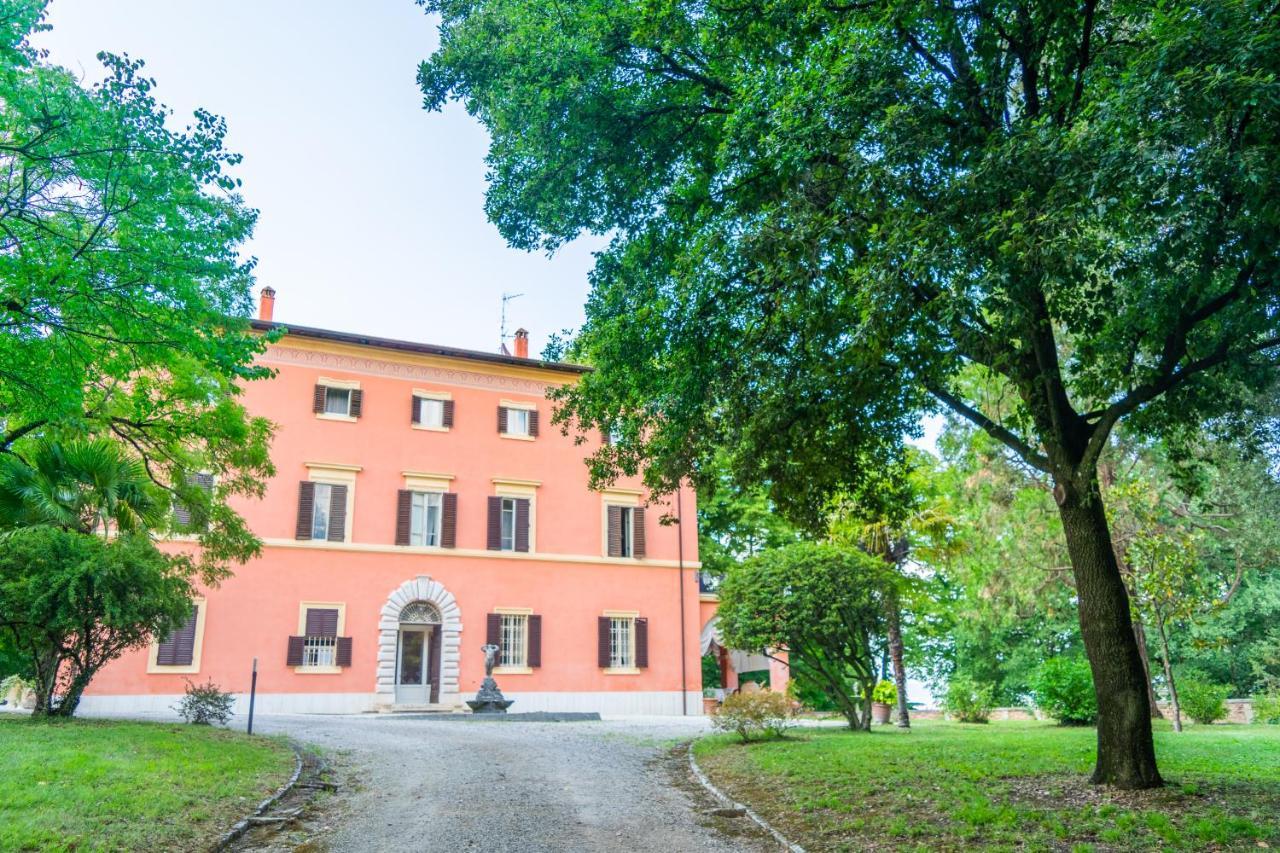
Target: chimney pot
point(522, 343)
point(267, 304)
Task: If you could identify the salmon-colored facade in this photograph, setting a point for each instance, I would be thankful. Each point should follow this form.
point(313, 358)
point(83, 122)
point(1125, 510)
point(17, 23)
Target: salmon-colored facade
point(376, 590)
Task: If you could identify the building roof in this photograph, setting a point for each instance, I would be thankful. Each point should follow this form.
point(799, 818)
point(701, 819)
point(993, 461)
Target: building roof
point(423, 349)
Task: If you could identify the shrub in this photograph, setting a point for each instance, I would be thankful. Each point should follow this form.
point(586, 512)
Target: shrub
point(764, 713)
point(1266, 709)
point(1202, 701)
point(205, 704)
point(968, 701)
point(885, 693)
point(1063, 689)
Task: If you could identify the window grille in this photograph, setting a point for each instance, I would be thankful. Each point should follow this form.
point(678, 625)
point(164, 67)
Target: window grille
point(420, 613)
point(514, 635)
point(320, 651)
point(620, 649)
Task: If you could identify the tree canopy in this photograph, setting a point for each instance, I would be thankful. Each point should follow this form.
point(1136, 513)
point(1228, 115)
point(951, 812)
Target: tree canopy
point(826, 219)
point(123, 288)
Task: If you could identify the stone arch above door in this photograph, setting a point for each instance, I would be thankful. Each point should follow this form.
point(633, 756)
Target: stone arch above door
point(421, 588)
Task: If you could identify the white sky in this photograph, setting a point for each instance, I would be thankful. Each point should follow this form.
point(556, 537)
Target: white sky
point(372, 214)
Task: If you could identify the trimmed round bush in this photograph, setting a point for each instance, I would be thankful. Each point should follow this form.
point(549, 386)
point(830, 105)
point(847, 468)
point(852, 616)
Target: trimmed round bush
point(968, 701)
point(1063, 689)
point(1202, 701)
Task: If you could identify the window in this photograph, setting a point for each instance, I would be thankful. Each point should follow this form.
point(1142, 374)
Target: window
point(320, 651)
point(179, 648)
point(424, 518)
point(517, 422)
point(318, 647)
point(621, 642)
point(182, 513)
point(508, 541)
point(624, 533)
point(320, 511)
point(431, 412)
point(514, 640)
point(337, 401)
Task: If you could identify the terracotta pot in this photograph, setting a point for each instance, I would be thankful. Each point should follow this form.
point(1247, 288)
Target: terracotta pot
point(880, 713)
point(709, 705)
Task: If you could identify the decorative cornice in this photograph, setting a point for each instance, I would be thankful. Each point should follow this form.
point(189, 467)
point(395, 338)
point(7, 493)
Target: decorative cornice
point(371, 366)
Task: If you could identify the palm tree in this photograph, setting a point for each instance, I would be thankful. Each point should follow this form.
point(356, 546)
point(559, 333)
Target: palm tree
point(85, 485)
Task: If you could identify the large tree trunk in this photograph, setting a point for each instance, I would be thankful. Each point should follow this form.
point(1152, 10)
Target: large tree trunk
point(1126, 751)
point(895, 656)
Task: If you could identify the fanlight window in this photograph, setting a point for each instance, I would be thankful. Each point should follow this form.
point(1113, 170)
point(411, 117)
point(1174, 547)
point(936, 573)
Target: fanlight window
point(420, 612)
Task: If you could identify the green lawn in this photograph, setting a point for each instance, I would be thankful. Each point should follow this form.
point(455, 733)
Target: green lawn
point(1003, 786)
point(105, 785)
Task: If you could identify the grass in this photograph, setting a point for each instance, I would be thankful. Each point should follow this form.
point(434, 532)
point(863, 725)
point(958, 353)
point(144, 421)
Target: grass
point(1003, 786)
point(106, 785)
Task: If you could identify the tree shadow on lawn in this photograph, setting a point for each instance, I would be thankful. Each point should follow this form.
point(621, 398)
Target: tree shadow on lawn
point(1003, 786)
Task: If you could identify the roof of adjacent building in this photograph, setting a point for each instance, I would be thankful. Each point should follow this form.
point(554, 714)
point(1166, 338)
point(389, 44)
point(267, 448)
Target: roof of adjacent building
point(414, 347)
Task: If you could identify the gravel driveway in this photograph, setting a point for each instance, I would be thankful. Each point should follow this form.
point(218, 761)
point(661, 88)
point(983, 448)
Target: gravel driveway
point(426, 785)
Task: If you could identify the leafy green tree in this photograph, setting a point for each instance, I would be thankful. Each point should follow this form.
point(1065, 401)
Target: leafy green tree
point(123, 290)
point(824, 216)
point(71, 602)
point(737, 522)
point(823, 605)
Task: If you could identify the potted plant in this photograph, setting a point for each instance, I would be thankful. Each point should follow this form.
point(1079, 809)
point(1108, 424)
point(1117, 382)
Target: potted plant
point(883, 698)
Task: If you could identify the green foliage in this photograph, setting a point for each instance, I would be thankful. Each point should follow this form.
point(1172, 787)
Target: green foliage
point(1266, 709)
point(205, 704)
point(885, 693)
point(757, 714)
point(1203, 701)
point(124, 290)
point(810, 694)
point(736, 522)
point(72, 602)
point(823, 605)
point(1063, 689)
point(710, 672)
point(968, 701)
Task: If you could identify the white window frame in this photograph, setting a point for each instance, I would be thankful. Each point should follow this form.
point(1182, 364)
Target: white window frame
point(421, 397)
point(515, 620)
point(321, 669)
point(525, 408)
point(420, 505)
point(624, 665)
point(335, 474)
point(627, 499)
point(526, 490)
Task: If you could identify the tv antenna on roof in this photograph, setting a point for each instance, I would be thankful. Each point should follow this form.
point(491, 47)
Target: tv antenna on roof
point(502, 332)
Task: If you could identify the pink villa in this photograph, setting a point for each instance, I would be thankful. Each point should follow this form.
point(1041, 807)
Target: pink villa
point(424, 506)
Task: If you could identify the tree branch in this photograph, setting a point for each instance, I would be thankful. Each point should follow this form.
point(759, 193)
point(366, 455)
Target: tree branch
point(1029, 454)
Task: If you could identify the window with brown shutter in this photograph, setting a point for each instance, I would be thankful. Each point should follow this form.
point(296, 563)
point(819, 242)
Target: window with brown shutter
point(357, 402)
point(178, 649)
point(533, 423)
point(344, 651)
point(320, 646)
point(317, 400)
point(522, 524)
point(637, 532)
point(449, 520)
point(614, 514)
point(404, 508)
point(495, 523)
point(502, 419)
point(448, 414)
point(415, 408)
point(181, 512)
point(337, 513)
point(295, 651)
point(493, 629)
point(306, 509)
point(534, 658)
point(642, 642)
point(433, 666)
point(604, 645)
point(322, 622)
point(432, 412)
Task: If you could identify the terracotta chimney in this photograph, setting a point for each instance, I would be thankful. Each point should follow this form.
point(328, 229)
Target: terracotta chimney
point(522, 343)
point(267, 306)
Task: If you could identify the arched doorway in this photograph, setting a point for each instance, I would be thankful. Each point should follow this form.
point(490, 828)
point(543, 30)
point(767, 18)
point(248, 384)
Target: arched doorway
point(418, 655)
point(420, 618)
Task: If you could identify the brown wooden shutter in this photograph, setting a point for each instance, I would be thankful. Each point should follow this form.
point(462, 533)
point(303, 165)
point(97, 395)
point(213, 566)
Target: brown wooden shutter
point(535, 641)
point(642, 643)
point(522, 524)
point(637, 532)
point(533, 422)
point(322, 622)
point(296, 646)
point(493, 629)
point(502, 419)
point(178, 649)
point(449, 520)
point(495, 523)
point(357, 402)
point(415, 416)
point(603, 646)
point(447, 420)
point(433, 665)
point(337, 513)
point(317, 399)
point(344, 651)
point(404, 509)
point(615, 530)
point(306, 509)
